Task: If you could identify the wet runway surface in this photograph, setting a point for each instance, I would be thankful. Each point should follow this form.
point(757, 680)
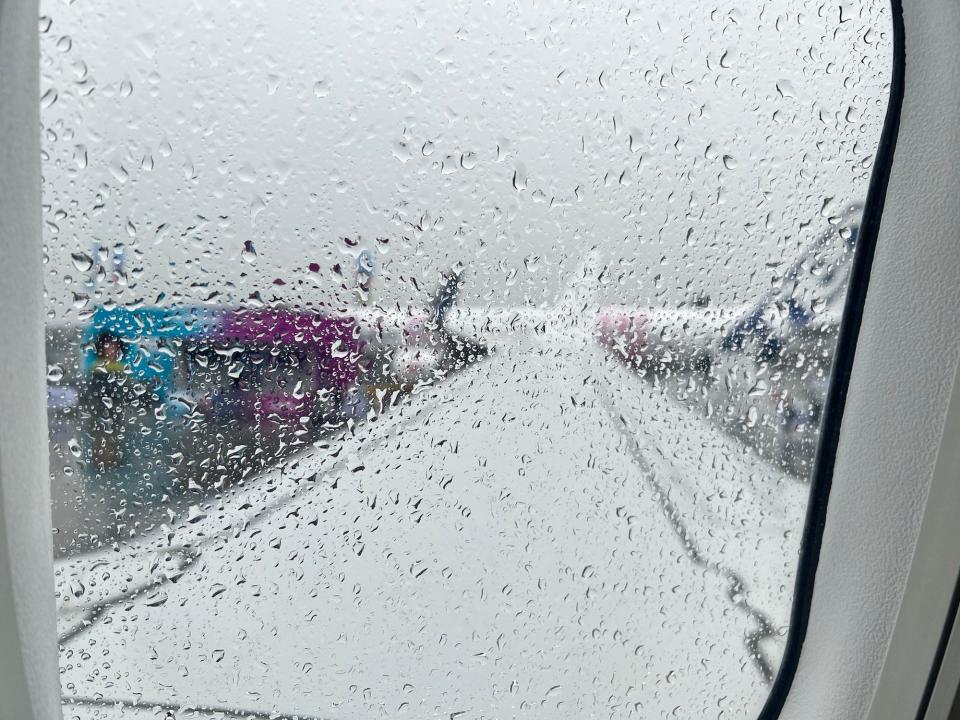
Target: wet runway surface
point(543, 509)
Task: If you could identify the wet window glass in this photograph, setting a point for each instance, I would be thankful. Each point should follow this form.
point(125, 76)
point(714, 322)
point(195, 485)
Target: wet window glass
point(442, 359)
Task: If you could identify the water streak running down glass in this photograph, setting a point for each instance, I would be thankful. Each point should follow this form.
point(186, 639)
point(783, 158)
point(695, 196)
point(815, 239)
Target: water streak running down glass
point(439, 359)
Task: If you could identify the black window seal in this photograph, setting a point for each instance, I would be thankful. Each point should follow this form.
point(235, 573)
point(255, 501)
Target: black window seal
point(822, 477)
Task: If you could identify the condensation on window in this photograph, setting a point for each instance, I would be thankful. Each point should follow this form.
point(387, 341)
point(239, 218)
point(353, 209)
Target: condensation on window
point(442, 359)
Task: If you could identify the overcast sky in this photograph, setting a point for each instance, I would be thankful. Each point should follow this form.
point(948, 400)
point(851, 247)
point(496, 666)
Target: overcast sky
point(686, 146)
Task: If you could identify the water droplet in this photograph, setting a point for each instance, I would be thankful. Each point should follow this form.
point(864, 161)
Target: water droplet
point(413, 81)
point(48, 98)
point(337, 350)
point(449, 165)
point(77, 588)
point(520, 178)
point(156, 599)
point(81, 261)
point(785, 88)
point(195, 514)
point(80, 156)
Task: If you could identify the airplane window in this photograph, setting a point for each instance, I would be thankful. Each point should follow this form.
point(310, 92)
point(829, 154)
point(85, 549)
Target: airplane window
point(442, 359)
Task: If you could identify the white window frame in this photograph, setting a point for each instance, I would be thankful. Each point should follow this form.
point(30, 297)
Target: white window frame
point(890, 532)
